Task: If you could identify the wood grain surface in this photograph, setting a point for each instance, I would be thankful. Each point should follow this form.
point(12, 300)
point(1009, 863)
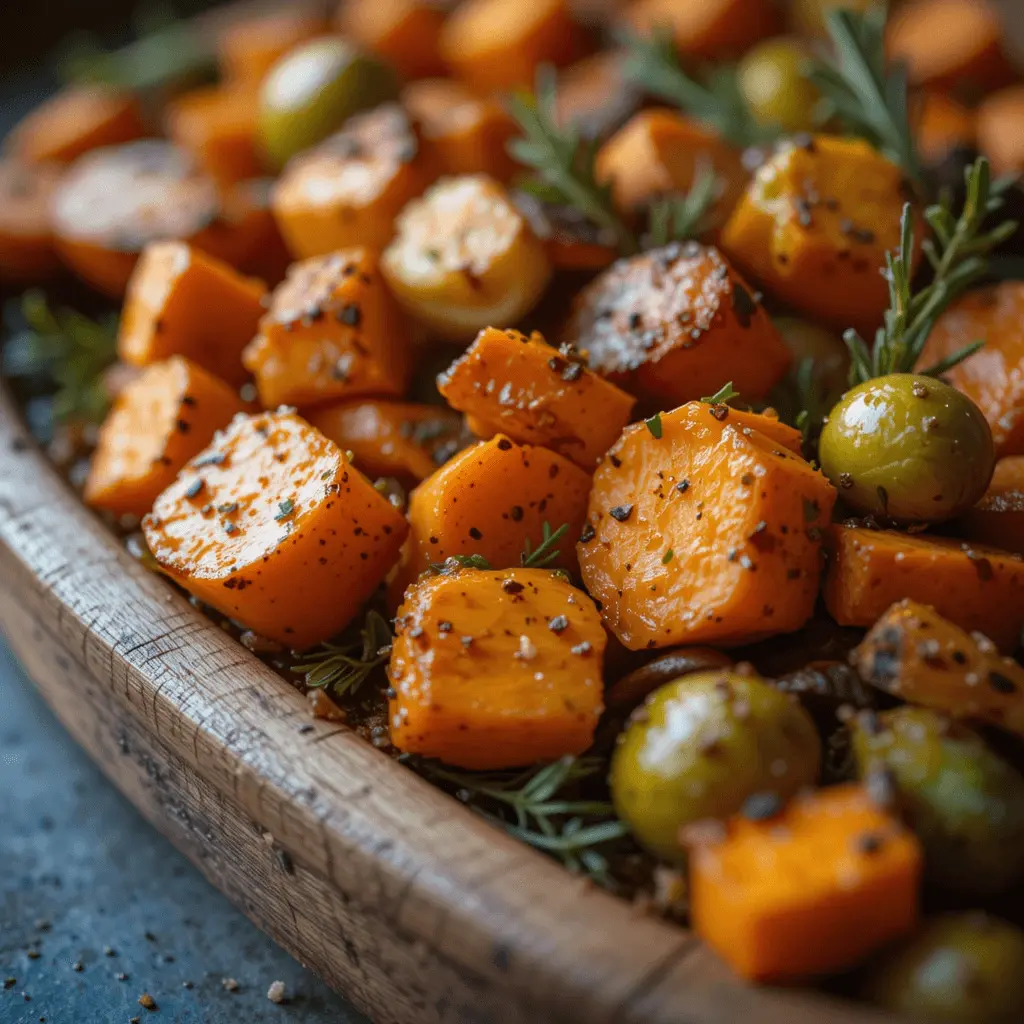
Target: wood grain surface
point(397, 895)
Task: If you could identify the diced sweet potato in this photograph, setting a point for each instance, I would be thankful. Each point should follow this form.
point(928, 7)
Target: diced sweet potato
point(160, 420)
point(978, 588)
point(708, 533)
point(406, 33)
point(943, 125)
point(181, 302)
point(465, 133)
point(997, 520)
point(993, 377)
point(491, 500)
point(811, 891)
point(524, 388)
point(674, 324)
point(1008, 475)
point(918, 656)
point(497, 45)
point(814, 226)
point(1000, 124)
point(218, 127)
point(348, 190)
point(397, 439)
point(595, 96)
point(496, 669)
point(247, 47)
point(272, 527)
point(571, 241)
point(76, 120)
point(26, 242)
point(659, 151)
point(709, 29)
point(254, 245)
point(332, 331)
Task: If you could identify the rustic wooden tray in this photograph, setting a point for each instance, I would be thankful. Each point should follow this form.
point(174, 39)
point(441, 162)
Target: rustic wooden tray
point(397, 895)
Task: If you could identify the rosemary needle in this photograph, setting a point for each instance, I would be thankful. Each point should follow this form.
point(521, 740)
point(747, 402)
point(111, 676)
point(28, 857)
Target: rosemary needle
point(342, 669)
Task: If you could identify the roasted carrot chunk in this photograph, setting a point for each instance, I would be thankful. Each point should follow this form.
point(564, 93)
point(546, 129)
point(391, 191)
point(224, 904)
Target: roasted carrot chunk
point(495, 669)
point(496, 45)
point(248, 46)
point(218, 127)
point(272, 527)
point(915, 654)
point(702, 529)
point(406, 33)
point(1000, 121)
point(949, 43)
point(332, 331)
point(349, 190)
point(524, 388)
point(182, 302)
point(811, 891)
point(672, 324)
point(943, 125)
point(26, 242)
point(978, 588)
point(710, 29)
point(74, 121)
point(595, 96)
point(161, 419)
point(465, 133)
point(398, 439)
point(493, 499)
point(991, 377)
point(659, 151)
point(814, 226)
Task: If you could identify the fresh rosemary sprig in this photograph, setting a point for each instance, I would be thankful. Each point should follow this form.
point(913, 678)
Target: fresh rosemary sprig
point(455, 562)
point(533, 806)
point(726, 393)
point(563, 160)
point(547, 551)
point(958, 254)
point(64, 353)
point(341, 669)
point(866, 92)
point(677, 218)
point(653, 63)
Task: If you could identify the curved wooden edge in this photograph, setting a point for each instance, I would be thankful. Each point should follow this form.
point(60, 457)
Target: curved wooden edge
point(397, 895)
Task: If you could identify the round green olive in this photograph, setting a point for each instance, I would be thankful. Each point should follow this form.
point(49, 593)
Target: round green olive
point(907, 448)
point(964, 802)
point(958, 967)
point(773, 80)
point(828, 352)
point(700, 746)
point(310, 92)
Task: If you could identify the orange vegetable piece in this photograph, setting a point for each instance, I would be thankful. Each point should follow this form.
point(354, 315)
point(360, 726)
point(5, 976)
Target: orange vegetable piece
point(942, 125)
point(496, 669)
point(710, 29)
point(814, 226)
point(26, 242)
point(674, 324)
point(332, 331)
point(595, 96)
point(491, 499)
point(571, 242)
point(349, 190)
point(465, 133)
point(526, 389)
point(160, 420)
point(76, 120)
point(659, 151)
point(406, 33)
point(497, 45)
point(998, 519)
point(218, 127)
point(809, 892)
point(949, 43)
point(1008, 475)
point(249, 46)
point(710, 533)
point(991, 377)
point(915, 654)
point(182, 302)
point(252, 241)
point(282, 534)
point(1000, 121)
point(978, 588)
point(398, 439)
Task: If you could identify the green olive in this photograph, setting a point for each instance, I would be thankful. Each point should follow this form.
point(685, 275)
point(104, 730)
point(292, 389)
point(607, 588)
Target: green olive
point(826, 349)
point(773, 80)
point(964, 802)
point(310, 92)
point(700, 747)
point(907, 448)
point(958, 967)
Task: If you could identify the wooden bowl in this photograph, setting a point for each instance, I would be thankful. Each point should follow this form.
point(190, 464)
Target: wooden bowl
point(397, 895)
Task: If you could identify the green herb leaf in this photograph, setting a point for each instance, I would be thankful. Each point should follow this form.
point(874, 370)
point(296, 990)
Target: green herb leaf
point(654, 425)
point(454, 562)
point(678, 218)
point(723, 395)
point(667, 557)
point(547, 551)
point(286, 508)
point(341, 669)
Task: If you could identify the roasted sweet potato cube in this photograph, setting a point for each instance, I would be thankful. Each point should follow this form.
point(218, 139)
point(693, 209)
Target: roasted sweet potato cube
point(250, 44)
point(406, 33)
point(707, 29)
point(26, 241)
point(332, 331)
